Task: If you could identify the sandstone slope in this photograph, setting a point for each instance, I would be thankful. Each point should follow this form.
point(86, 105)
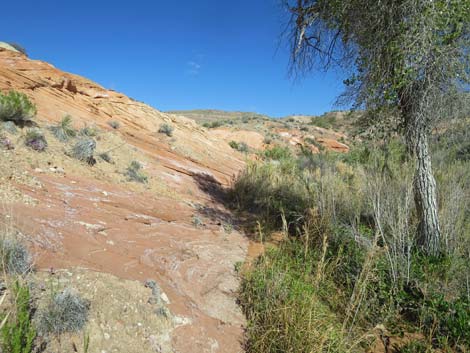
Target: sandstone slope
point(173, 229)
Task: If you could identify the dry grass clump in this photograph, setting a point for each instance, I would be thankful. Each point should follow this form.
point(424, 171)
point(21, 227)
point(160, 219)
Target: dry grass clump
point(64, 130)
point(89, 131)
point(134, 173)
point(66, 312)
point(114, 124)
point(84, 150)
point(166, 129)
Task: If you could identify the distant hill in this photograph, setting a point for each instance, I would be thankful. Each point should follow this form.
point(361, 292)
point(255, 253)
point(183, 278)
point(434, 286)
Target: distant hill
point(210, 115)
point(342, 121)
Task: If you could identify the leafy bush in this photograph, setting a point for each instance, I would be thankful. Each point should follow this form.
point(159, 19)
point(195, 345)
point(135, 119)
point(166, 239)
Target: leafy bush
point(14, 256)
point(66, 312)
point(84, 149)
point(36, 140)
point(134, 173)
point(16, 107)
point(166, 129)
point(114, 124)
point(64, 130)
point(18, 333)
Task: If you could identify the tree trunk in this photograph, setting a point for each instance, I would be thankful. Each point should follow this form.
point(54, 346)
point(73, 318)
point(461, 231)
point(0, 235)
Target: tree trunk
point(429, 233)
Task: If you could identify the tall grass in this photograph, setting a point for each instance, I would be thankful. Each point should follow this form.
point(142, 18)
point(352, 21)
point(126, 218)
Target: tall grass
point(354, 217)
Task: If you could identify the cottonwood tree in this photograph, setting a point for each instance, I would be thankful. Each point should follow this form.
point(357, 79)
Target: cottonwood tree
point(408, 60)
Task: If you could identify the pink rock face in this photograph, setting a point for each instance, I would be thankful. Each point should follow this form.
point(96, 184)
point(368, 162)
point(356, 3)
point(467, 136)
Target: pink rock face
point(80, 219)
point(333, 145)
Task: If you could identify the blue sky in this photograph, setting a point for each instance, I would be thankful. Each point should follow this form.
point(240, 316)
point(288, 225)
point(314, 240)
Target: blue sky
point(185, 54)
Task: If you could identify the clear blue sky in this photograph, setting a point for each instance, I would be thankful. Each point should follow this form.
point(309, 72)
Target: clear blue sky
point(185, 54)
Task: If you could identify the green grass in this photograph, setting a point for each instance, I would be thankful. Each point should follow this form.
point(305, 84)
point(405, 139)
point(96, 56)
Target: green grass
point(351, 223)
point(280, 298)
point(18, 332)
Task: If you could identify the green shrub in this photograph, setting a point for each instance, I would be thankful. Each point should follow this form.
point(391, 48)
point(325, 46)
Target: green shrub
point(114, 124)
point(166, 129)
point(448, 320)
point(243, 147)
point(64, 130)
point(84, 149)
point(66, 312)
point(239, 146)
point(278, 153)
point(353, 214)
point(14, 256)
point(36, 140)
point(134, 173)
point(213, 124)
point(18, 332)
point(16, 107)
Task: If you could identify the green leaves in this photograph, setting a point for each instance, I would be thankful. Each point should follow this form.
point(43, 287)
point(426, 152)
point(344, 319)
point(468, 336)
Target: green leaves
point(18, 333)
point(16, 107)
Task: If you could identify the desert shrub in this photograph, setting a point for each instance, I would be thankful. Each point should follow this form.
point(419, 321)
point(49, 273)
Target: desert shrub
point(166, 129)
point(64, 130)
point(278, 153)
point(264, 190)
point(9, 127)
point(18, 47)
point(105, 156)
point(134, 173)
point(16, 107)
point(243, 147)
point(14, 255)
point(239, 146)
point(36, 140)
point(114, 124)
point(213, 124)
point(89, 131)
point(84, 149)
point(6, 143)
point(18, 332)
point(66, 312)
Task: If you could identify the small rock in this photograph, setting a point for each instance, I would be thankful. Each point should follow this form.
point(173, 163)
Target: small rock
point(164, 297)
point(107, 336)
